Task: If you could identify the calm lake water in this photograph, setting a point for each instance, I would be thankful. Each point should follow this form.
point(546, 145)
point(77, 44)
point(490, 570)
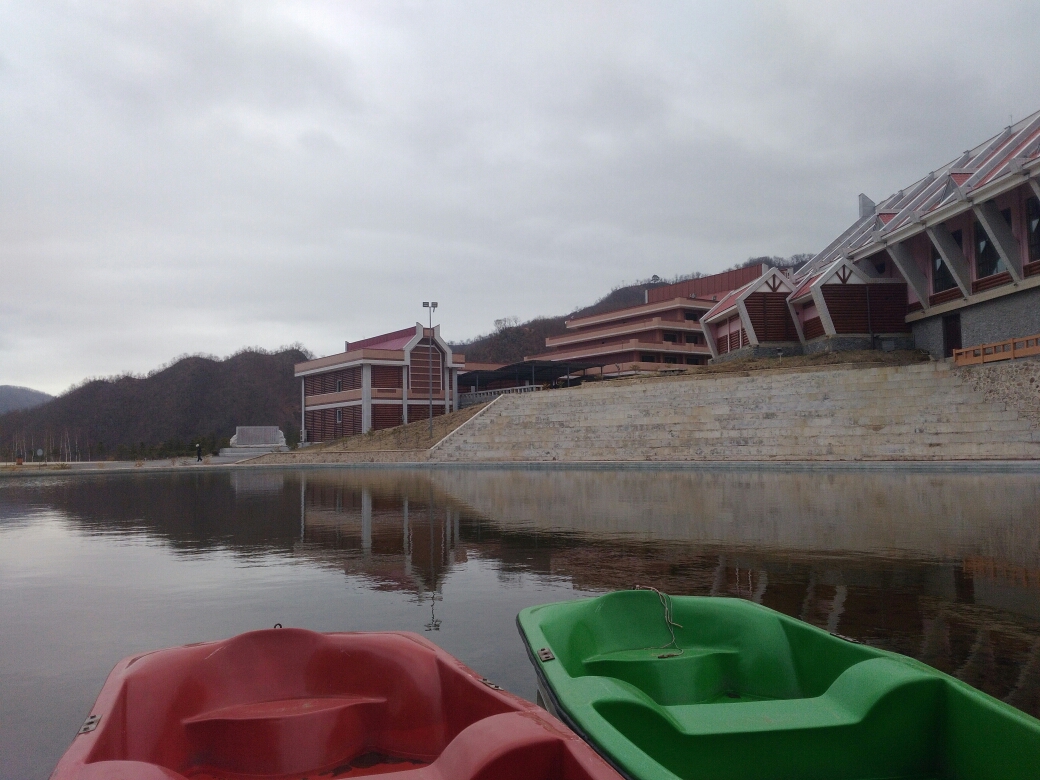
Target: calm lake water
point(942, 567)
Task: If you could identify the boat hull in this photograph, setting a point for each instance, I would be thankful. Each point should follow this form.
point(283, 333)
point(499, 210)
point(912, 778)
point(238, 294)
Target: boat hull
point(731, 689)
point(294, 704)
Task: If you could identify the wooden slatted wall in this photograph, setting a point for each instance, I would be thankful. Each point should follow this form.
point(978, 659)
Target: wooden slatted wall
point(386, 415)
point(847, 304)
point(318, 384)
point(387, 377)
point(322, 425)
point(888, 308)
point(418, 412)
point(418, 376)
point(813, 328)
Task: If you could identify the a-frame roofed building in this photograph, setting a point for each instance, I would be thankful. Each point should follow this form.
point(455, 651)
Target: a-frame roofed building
point(846, 306)
point(960, 238)
point(750, 317)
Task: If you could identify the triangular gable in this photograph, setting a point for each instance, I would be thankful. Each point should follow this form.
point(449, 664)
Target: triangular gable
point(843, 272)
point(773, 280)
point(419, 331)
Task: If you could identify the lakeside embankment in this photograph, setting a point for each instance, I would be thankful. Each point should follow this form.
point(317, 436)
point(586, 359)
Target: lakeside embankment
point(915, 412)
point(834, 416)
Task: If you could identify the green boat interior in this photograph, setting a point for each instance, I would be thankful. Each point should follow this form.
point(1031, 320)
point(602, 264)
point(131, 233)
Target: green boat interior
point(730, 689)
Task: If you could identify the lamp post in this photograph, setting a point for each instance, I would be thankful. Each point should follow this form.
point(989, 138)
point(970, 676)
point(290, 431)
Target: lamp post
point(432, 306)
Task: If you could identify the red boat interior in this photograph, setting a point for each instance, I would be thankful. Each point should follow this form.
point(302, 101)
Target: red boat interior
point(290, 703)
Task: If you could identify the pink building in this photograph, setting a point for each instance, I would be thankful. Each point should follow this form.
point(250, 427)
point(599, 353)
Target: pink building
point(951, 260)
point(378, 383)
point(664, 331)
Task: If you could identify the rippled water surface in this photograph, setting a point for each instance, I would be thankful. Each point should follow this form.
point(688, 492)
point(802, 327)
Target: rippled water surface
point(943, 567)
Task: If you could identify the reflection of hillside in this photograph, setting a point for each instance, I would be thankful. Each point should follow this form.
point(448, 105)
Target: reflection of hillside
point(945, 568)
point(191, 512)
point(901, 582)
point(917, 514)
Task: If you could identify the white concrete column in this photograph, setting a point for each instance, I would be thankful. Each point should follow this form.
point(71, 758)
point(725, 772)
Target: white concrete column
point(366, 523)
point(366, 398)
point(444, 384)
point(951, 254)
point(303, 505)
point(903, 260)
point(999, 232)
point(404, 394)
point(824, 312)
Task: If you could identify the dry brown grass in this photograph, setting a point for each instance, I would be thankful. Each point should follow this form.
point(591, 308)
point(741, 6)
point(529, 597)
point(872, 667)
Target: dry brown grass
point(865, 357)
point(413, 436)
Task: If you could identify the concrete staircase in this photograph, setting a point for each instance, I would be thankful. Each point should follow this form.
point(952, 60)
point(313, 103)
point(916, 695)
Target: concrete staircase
point(927, 411)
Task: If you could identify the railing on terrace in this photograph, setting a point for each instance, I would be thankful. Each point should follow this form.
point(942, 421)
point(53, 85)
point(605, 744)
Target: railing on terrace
point(480, 396)
point(997, 350)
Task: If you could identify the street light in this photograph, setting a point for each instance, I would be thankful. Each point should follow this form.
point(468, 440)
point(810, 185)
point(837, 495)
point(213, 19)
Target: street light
point(432, 306)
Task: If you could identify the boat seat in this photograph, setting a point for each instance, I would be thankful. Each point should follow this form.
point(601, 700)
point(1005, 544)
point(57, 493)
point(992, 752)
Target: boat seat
point(127, 770)
point(879, 716)
point(851, 698)
point(300, 732)
point(697, 674)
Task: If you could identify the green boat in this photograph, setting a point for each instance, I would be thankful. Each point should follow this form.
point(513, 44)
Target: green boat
point(725, 689)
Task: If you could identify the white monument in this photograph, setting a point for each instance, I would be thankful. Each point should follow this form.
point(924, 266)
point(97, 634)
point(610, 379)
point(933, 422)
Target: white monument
point(256, 440)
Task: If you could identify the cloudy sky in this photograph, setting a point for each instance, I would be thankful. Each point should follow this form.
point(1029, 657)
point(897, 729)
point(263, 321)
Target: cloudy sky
point(181, 177)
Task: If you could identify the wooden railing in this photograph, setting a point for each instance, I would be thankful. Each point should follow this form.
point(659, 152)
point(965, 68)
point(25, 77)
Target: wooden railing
point(997, 350)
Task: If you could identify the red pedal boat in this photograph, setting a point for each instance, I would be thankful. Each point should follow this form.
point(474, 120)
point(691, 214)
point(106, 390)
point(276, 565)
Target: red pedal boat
point(294, 704)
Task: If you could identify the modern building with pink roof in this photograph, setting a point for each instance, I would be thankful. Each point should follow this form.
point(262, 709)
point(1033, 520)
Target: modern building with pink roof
point(665, 330)
point(377, 383)
point(951, 261)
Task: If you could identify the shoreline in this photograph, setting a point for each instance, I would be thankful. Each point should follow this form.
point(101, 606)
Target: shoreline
point(919, 466)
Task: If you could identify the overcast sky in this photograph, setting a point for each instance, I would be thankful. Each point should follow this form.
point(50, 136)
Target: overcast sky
point(188, 177)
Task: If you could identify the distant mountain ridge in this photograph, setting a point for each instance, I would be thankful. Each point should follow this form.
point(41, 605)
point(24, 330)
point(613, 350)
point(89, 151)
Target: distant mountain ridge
point(195, 399)
point(13, 397)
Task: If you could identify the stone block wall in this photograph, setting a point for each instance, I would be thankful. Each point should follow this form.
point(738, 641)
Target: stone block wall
point(996, 320)
point(928, 411)
point(1002, 318)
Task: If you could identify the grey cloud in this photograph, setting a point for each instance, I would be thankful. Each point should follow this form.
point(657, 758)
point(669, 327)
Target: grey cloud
point(184, 177)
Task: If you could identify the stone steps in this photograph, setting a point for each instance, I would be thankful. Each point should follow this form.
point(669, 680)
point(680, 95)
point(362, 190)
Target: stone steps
point(924, 411)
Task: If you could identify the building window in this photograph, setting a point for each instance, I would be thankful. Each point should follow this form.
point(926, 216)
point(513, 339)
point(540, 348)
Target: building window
point(1033, 226)
point(942, 279)
point(671, 338)
point(647, 358)
point(987, 259)
point(339, 416)
point(339, 385)
point(691, 315)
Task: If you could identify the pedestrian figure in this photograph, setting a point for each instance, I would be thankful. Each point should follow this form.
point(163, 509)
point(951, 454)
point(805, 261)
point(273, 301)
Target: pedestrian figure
point(198, 453)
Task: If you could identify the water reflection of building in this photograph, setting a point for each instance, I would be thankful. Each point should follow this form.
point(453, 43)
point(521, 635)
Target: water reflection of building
point(400, 541)
point(945, 568)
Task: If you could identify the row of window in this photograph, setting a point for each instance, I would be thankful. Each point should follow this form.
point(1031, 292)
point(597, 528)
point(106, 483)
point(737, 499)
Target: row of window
point(670, 337)
point(691, 360)
point(987, 259)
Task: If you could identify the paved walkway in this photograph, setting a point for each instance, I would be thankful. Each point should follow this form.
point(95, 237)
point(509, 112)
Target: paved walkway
point(103, 466)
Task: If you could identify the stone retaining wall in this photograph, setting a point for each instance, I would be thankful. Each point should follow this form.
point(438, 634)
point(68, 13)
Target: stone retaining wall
point(927, 411)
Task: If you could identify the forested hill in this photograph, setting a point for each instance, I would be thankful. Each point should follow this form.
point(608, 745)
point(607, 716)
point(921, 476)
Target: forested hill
point(13, 397)
point(195, 399)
